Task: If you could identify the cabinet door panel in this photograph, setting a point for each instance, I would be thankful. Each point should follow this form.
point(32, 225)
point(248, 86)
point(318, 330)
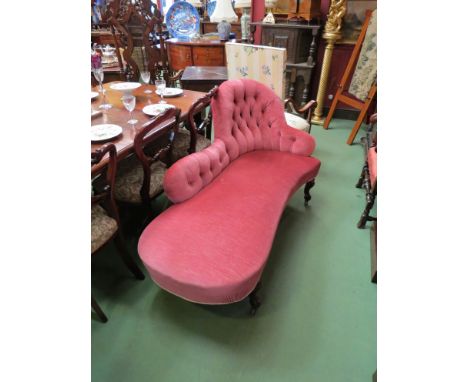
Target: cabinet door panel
point(180, 56)
point(208, 56)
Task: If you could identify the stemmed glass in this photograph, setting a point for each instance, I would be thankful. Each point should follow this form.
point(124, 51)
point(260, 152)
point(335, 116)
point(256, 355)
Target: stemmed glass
point(160, 88)
point(99, 76)
point(129, 102)
point(146, 77)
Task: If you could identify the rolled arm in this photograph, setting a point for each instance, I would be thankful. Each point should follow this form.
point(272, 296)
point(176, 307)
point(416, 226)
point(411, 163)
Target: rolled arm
point(296, 141)
point(189, 175)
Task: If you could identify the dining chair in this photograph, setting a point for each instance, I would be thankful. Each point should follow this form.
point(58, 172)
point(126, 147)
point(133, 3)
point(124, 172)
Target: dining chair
point(267, 65)
point(368, 178)
point(140, 177)
point(105, 221)
point(139, 34)
point(194, 138)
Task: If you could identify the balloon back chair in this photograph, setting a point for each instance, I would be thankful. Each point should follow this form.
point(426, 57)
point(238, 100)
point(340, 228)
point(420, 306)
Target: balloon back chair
point(140, 177)
point(105, 221)
point(193, 139)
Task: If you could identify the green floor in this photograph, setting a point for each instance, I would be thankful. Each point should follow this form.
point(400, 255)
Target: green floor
point(318, 318)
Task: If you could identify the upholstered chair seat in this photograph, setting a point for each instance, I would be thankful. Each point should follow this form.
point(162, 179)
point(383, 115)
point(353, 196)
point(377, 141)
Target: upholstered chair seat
point(182, 143)
point(103, 227)
point(129, 180)
point(372, 163)
point(297, 122)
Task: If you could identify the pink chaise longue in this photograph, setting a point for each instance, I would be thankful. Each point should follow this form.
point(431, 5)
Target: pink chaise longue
point(212, 244)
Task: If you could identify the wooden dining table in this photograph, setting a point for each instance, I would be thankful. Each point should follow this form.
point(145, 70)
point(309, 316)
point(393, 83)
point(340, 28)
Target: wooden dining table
point(118, 115)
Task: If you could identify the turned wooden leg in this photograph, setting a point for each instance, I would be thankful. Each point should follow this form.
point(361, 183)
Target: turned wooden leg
point(98, 310)
point(307, 188)
point(127, 259)
point(365, 215)
point(254, 300)
point(361, 178)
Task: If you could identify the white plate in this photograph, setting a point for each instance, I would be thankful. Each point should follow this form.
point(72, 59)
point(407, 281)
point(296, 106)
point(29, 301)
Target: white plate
point(155, 109)
point(171, 92)
point(94, 95)
point(125, 87)
point(104, 132)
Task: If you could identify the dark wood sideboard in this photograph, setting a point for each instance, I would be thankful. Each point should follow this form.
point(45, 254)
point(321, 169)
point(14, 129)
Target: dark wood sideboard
point(182, 53)
point(300, 41)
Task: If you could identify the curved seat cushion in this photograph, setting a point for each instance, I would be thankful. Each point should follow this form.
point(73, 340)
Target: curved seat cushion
point(103, 227)
point(129, 180)
point(212, 248)
point(181, 144)
point(372, 163)
point(297, 122)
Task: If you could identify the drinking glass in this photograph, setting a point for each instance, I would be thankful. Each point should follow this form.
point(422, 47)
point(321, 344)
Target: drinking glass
point(99, 76)
point(160, 88)
point(145, 77)
point(129, 102)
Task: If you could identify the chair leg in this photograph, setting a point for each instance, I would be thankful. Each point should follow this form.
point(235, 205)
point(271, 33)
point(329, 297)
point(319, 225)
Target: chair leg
point(363, 175)
point(127, 259)
point(254, 300)
point(307, 188)
point(98, 310)
point(365, 215)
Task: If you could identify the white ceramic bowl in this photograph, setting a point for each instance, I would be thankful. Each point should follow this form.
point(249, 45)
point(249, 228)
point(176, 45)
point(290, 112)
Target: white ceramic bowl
point(125, 87)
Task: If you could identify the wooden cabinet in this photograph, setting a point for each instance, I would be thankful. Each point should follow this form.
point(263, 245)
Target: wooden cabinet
point(179, 55)
point(300, 41)
point(195, 53)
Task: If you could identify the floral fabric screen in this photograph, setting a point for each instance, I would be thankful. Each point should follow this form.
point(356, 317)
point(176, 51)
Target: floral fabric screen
point(261, 63)
point(365, 73)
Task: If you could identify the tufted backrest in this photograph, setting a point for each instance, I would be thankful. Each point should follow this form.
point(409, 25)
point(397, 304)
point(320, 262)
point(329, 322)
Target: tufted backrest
point(247, 116)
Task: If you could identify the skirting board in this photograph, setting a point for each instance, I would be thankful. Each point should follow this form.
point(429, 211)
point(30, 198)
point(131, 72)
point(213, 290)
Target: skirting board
point(343, 113)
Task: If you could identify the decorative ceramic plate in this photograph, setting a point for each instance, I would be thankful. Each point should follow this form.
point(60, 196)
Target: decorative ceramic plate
point(210, 7)
point(182, 20)
point(171, 92)
point(94, 95)
point(125, 87)
point(156, 108)
point(104, 132)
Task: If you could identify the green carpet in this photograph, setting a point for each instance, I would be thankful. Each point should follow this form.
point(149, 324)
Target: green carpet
point(317, 322)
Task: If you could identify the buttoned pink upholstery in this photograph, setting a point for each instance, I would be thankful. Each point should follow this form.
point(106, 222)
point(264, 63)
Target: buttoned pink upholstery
point(211, 246)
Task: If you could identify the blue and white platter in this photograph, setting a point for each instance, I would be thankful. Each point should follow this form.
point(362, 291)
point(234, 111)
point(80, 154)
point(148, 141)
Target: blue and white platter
point(182, 20)
point(210, 7)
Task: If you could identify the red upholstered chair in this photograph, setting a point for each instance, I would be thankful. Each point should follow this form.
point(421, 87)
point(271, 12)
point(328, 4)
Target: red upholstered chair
point(105, 220)
point(368, 178)
point(212, 245)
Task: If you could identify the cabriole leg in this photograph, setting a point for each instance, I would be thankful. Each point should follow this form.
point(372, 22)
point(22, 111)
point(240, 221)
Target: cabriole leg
point(254, 300)
point(307, 188)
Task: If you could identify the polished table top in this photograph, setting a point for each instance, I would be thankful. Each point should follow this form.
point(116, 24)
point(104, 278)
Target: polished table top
point(119, 115)
point(205, 73)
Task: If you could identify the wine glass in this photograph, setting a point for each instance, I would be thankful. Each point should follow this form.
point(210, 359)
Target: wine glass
point(160, 89)
point(99, 76)
point(145, 77)
point(129, 102)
